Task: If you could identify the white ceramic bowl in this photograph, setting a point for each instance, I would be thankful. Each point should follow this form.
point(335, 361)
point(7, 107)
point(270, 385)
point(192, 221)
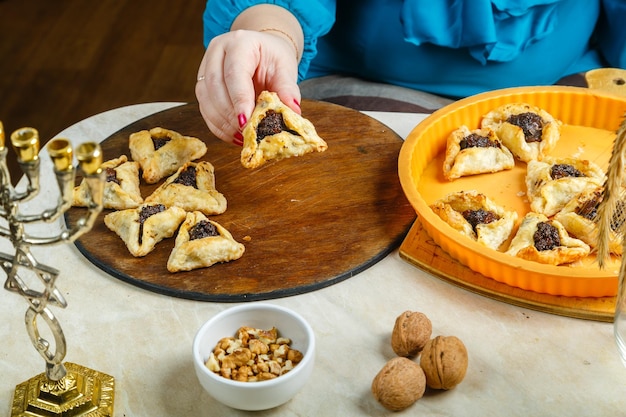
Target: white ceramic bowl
point(263, 394)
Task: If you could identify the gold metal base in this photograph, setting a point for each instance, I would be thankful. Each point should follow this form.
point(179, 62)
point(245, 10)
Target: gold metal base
point(82, 392)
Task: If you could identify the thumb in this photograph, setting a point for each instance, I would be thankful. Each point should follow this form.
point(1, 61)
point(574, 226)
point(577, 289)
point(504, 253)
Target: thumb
point(291, 99)
point(288, 92)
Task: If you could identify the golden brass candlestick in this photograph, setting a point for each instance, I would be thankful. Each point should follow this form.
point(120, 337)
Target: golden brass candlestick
point(64, 389)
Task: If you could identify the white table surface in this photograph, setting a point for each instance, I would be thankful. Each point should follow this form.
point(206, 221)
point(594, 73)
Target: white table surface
point(521, 362)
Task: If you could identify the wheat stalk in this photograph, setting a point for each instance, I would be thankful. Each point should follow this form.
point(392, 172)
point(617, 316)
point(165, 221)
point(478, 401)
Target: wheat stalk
point(609, 210)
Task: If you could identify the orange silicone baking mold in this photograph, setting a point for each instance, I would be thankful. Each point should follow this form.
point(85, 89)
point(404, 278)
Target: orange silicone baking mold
point(590, 119)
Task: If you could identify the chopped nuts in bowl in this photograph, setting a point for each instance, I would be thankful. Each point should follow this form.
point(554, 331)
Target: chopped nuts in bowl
point(254, 356)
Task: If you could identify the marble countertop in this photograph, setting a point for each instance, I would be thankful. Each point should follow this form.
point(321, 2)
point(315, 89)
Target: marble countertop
point(521, 362)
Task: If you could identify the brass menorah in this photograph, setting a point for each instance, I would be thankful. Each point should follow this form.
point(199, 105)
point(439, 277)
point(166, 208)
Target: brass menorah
point(64, 389)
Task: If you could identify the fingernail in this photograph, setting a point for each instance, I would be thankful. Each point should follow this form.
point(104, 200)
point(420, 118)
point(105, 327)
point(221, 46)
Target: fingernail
point(297, 103)
point(242, 120)
point(238, 139)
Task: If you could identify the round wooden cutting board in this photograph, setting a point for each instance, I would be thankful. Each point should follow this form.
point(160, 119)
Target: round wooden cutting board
point(306, 222)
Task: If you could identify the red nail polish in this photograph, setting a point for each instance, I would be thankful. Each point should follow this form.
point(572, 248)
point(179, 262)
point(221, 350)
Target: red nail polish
point(296, 102)
point(238, 135)
point(242, 120)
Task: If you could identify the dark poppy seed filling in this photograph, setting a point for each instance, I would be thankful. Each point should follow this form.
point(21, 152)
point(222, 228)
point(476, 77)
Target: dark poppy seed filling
point(564, 170)
point(187, 177)
point(475, 140)
point(589, 208)
point(145, 213)
point(271, 124)
point(480, 216)
point(531, 124)
point(546, 237)
point(159, 142)
point(111, 176)
point(203, 228)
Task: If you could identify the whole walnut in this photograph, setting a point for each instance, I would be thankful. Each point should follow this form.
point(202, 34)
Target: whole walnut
point(444, 361)
point(411, 332)
point(399, 384)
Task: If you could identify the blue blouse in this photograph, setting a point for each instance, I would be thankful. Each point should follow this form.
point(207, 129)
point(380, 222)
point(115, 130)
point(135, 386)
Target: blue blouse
point(449, 47)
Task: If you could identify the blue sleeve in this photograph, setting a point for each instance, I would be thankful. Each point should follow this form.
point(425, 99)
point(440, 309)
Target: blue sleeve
point(611, 32)
point(315, 16)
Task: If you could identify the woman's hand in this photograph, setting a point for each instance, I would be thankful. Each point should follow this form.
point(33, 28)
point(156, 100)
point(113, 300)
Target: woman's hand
point(236, 67)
